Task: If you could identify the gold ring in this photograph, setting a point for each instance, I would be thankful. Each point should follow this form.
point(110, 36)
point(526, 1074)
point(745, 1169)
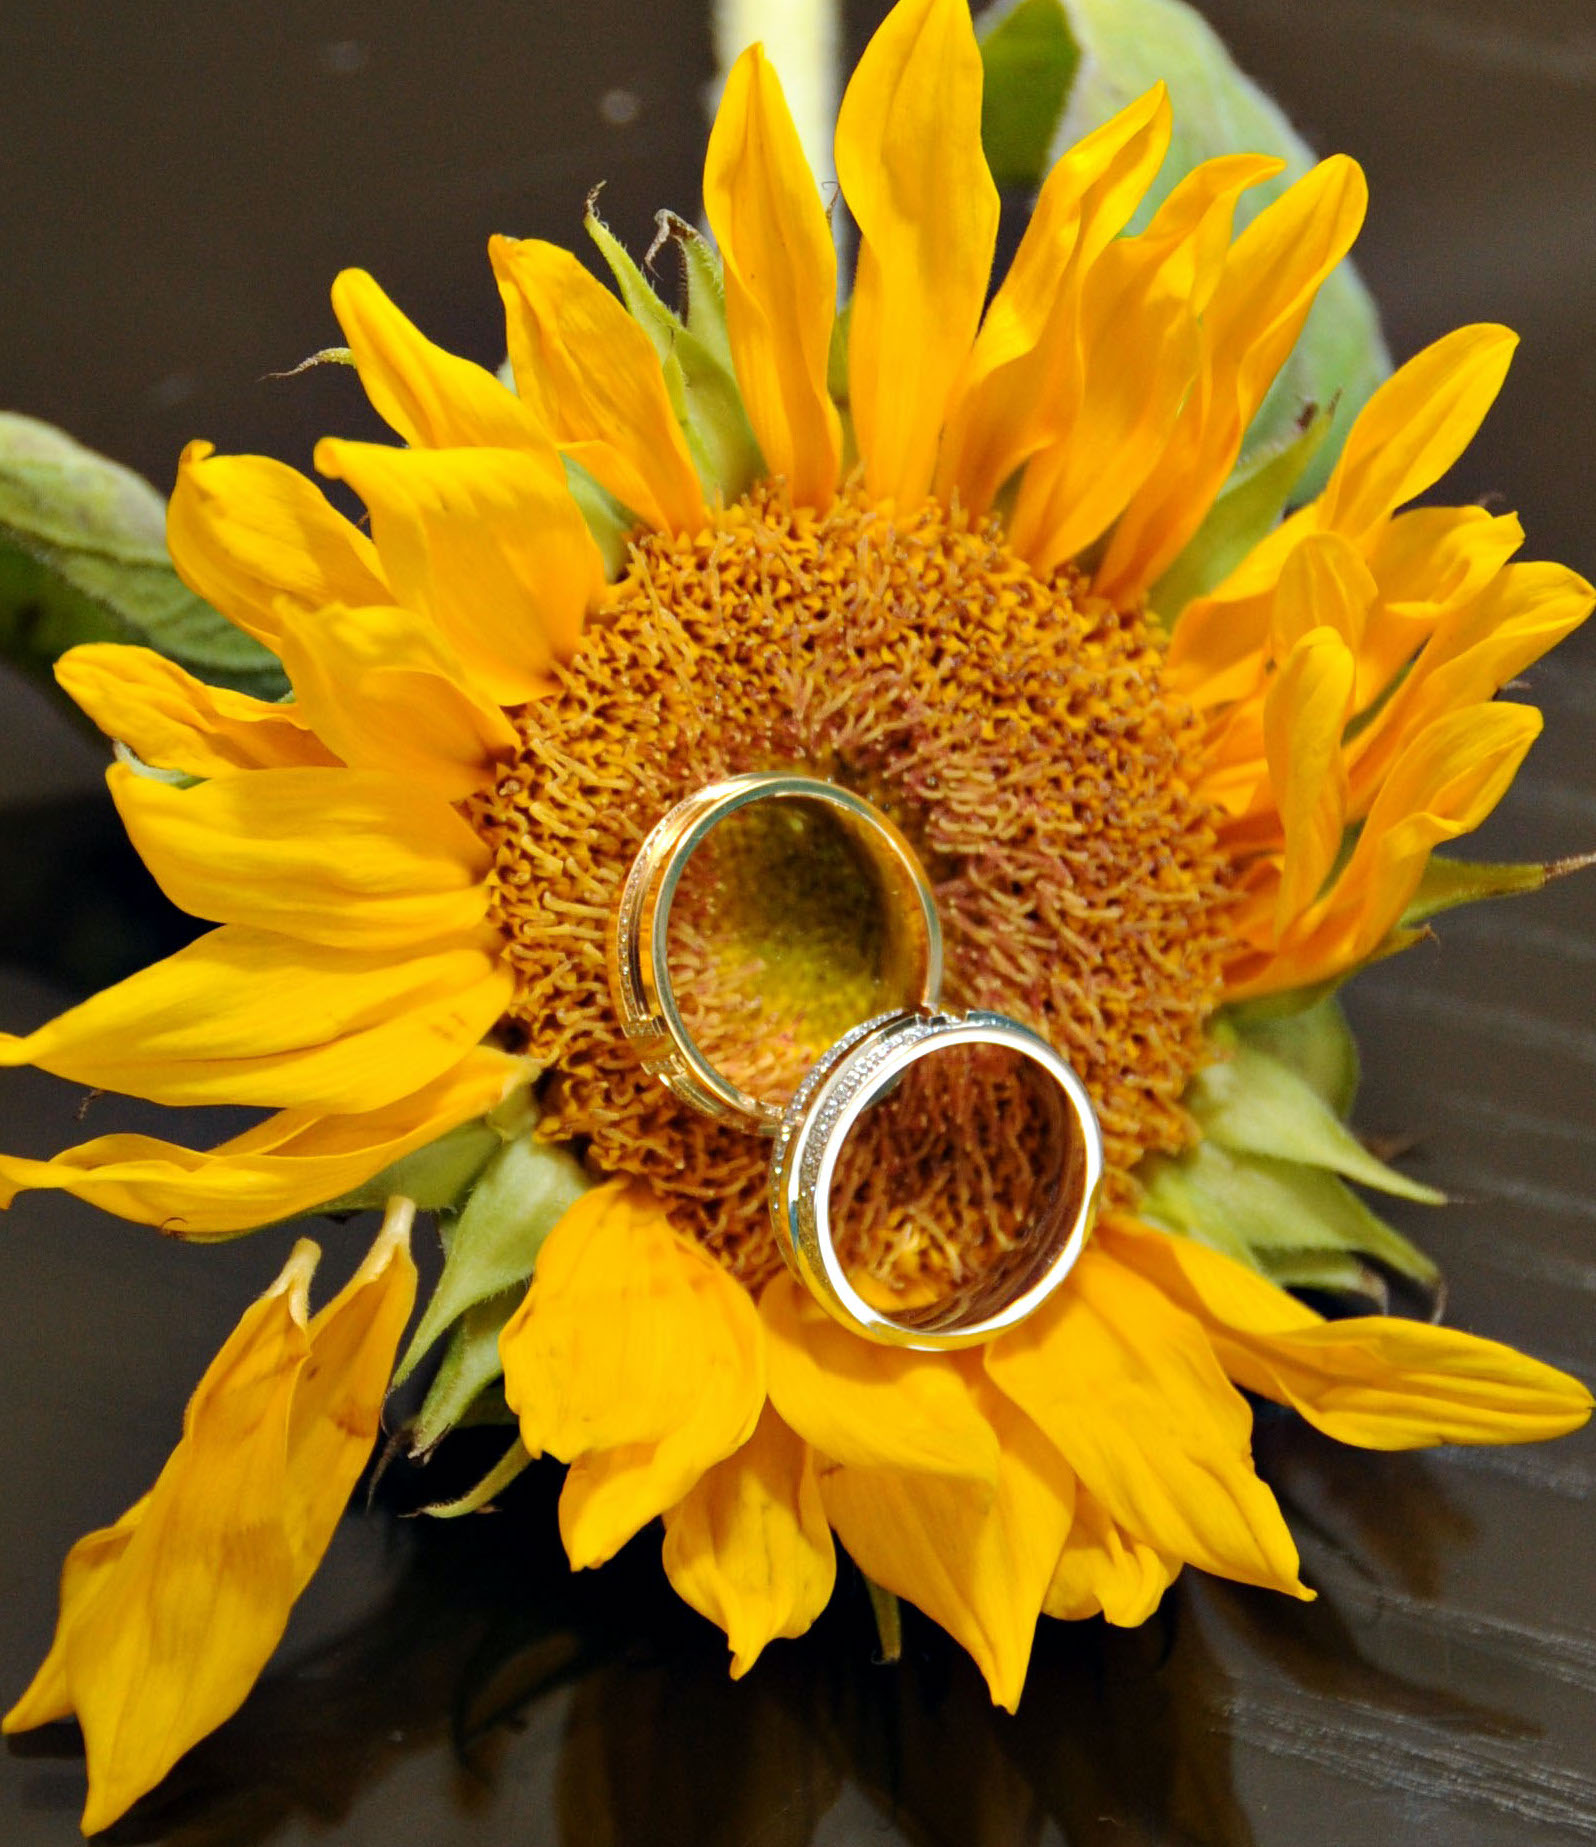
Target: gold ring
point(640, 981)
point(860, 1070)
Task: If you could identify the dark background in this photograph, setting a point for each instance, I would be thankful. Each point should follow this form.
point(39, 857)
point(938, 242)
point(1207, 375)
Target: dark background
point(178, 185)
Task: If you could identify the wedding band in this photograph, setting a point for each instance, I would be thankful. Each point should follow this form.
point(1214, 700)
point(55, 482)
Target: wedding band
point(640, 981)
point(859, 1071)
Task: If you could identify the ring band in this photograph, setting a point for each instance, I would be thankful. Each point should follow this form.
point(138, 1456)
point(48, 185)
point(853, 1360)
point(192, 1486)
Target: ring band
point(640, 981)
point(859, 1070)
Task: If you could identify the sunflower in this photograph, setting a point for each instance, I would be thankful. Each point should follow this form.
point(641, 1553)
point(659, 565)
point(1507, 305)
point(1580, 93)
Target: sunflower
point(979, 560)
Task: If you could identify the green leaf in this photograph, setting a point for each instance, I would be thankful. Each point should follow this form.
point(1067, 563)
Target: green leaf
point(695, 356)
point(1120, 49)
point(83, 558)
point(513, 1462)
point(1253, 1104)
point(1448, 883)
point(1316, 1042)
point(888, 1612)
point(522, 1194)
point(1030, 57)
point(1228, 1198)
point(434, 1177)
point(469, 1366)
point(1249, 509)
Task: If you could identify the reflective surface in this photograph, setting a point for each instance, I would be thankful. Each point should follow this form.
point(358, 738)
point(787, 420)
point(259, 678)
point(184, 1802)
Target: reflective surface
point(181, 184)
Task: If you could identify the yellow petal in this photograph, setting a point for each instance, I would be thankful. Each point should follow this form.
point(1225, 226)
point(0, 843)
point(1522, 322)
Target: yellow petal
point(486, 543)
point(284, 1166)
point(910, 164)
point(1446, 781)
point(1269, 281)
point(870, 1406)
point(593, 378)
point(1372, 1380)
point(169, 719)
point(781, 278)
point(384, 688)
point(1427, 563)
point(1105, 1570)
point(636, 1358)
point(1127, 1387)
point(244, 1016)
point(90, 1566)
point(344, 857)
point(1309, 702)
point(1139, 352)
point(1414, 428)
point(1476, 649)
point(200, 1596)
point(1022, 379)
point(254, 538)
point(337, 1407)
point(749, 1547)
point(977, 1562)
point(430, 398)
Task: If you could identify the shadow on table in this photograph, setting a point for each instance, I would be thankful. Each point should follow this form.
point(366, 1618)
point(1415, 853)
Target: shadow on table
point(1123, 1736)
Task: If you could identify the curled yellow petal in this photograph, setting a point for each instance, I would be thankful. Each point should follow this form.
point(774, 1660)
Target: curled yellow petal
point(781, 278)
point(869, 1406)
point(593, 378)
point(1373, 1380)
point(1022, 379)
point(333, 856)
point(749, 1546)
point(169, 719)
point(1268, 283)
point(337, 1407)
point(246, 1016)
point(255, 538)
point(488, 545)
point(976, 1561)
point(384, 688)
point(636, 1358)
point(1106, 1571)
point(171, 1636)
point(910, 164)
point(1126, 1386)
point(287, 1165)
point(1145, 292)
point(430, 398)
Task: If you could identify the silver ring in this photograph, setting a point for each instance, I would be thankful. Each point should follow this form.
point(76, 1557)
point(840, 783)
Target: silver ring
point(640, 981)
point(857, 1072)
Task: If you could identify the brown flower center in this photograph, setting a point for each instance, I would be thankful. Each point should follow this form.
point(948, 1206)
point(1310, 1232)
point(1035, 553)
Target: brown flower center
point(1013, 727)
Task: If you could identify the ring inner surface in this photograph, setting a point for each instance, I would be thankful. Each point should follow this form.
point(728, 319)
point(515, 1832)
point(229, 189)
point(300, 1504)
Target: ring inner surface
point(958, 1187)
point(788, 926)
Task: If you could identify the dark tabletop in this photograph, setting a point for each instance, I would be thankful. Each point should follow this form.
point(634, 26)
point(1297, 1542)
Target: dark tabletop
point(180, 184)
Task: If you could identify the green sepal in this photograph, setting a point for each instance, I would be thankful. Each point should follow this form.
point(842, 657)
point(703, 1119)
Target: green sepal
point(1250, 1205)
point(522, 1193)
point(469, 1366)
point(515, 1461)
point(1111, 51)
point(606, 519)
point(1447, 883)
point(1251, 1103)
point(695, 356)
point(1030, 56)
point(888, 1612)
point(1314, 1041)
point(435, 1177)
point(1254, 499)
point(83, 558)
